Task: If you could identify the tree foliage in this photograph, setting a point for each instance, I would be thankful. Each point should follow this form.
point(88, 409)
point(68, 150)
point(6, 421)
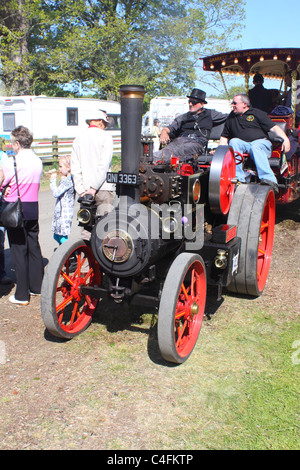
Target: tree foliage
point(99, 45)
point(232, 91)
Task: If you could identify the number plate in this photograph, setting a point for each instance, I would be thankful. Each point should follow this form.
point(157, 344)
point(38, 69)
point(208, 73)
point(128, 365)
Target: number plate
point(121, 178)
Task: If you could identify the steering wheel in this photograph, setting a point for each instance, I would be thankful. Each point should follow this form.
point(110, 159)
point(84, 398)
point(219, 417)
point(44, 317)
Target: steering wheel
point(239, 157)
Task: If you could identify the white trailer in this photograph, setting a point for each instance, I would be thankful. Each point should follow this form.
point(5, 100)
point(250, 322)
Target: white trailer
point(164, 108)
point(167, 108)
point(52, 116)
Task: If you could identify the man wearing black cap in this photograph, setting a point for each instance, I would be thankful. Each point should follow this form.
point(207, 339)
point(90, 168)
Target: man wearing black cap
point(189, 132)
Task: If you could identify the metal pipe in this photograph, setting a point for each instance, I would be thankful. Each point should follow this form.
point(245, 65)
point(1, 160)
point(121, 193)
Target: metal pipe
point(131, 97)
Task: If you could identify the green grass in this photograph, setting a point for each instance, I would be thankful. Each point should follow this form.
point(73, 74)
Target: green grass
point(253, 388)
point(116, 163)
point(238, 390)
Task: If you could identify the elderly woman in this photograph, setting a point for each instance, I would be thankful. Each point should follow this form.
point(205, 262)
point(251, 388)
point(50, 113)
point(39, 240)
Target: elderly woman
point(24, 245)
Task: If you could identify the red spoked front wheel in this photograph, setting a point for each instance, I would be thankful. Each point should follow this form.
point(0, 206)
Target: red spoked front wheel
point(66, 311)
point(181, 307)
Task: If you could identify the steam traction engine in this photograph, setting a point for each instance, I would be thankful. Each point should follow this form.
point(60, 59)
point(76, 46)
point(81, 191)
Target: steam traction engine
point(177, 228)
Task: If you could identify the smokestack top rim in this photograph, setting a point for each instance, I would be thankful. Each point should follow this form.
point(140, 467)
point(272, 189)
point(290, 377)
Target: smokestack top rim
point(132, 87)
point(132, 91)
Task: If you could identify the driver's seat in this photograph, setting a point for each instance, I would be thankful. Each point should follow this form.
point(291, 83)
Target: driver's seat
point(215, 134)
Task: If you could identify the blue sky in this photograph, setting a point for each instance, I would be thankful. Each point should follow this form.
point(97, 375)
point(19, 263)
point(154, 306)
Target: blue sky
point(269, 23)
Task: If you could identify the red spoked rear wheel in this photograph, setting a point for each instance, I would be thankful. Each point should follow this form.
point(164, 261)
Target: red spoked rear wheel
point(182, 307)
point(253, 212)
point(65, 309)
point(266, 237)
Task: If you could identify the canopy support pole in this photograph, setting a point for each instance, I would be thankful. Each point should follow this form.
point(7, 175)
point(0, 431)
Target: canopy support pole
point(247, 75)
point(294, 97)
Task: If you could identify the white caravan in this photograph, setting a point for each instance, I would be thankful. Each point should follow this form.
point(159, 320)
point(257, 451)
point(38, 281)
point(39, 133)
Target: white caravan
point(50, 116)
point(167, 108)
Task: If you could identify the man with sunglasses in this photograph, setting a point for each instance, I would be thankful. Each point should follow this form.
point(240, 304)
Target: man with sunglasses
point(187, 136)
point(246, 131)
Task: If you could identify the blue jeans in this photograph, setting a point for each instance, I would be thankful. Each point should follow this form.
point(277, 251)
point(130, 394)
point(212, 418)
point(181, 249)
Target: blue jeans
point(2, 259)
point(259, 150)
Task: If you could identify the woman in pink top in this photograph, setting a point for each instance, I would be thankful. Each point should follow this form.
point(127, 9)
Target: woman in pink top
point(24, 244)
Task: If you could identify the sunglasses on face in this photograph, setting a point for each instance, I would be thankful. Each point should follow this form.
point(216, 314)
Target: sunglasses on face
point(193, 102)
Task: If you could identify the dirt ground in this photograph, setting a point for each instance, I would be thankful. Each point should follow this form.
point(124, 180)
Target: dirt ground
point(79, 394)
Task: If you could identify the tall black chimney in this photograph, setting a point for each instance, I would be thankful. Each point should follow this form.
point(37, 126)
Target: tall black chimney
point(132, 97)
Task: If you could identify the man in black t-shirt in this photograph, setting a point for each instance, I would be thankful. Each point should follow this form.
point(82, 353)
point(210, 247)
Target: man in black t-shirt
point(189, 132)
point(246, 131)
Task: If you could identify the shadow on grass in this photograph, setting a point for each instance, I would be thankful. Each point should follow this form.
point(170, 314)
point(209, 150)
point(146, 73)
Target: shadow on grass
point(124, 317)
point(289, 211)
point(121, 317)
point(118, 317)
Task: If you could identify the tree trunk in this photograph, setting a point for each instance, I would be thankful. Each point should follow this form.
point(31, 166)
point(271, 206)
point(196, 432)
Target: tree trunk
point(16, 27)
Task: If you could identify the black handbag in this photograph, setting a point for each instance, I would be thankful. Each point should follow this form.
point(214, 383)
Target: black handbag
point(11, 213)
